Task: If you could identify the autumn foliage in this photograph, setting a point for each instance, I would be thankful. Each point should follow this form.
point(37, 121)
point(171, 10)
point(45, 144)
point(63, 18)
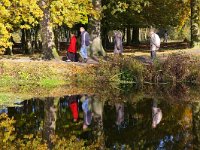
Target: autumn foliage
point(26, 14)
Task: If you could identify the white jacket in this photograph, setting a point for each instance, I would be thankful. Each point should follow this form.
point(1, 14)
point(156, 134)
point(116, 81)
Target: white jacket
point(154, 42)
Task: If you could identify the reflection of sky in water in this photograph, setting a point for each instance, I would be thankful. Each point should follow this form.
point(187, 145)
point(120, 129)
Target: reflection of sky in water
point(167, 139)
point(3, 110)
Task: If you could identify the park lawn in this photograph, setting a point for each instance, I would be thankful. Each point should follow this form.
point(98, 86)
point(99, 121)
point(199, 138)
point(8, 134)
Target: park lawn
point(41, 73)
point(22, 78)
point(22, 70)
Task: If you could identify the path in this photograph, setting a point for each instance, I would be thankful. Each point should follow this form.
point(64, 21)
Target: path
point(143, 56)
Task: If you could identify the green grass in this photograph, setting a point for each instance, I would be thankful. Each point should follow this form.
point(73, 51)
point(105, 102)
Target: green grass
point(8, 99)
point(45, 74)
point(43, 82)
point(51, 82)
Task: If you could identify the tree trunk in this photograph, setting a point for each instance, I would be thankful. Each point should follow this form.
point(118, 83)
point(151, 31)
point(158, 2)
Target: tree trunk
point(195, 23)
point(9, 49)
point(23, 40)
point(97, 128)
point(135, 35)
point(105, 39)
point(56, 33)
point(48, 45)
point(35, 40)
point(95, 33)
point(128, 34)
point(124, 35)
point(196, 124)
point(28, 48)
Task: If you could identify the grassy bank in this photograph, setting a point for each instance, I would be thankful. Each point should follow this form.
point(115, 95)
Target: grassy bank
point(39, 73)
point(15, 94)
point(178, 67)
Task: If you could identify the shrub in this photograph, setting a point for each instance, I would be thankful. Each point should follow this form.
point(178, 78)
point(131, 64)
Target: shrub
point(120, 69)
point(132, 70)
point(194, 73)
point(177, 66)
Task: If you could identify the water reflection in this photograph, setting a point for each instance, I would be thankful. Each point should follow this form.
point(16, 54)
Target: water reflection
point(73, 104)
point(86, 106)
point(50, 117)
point(156, 114)
point(133, 120)
point(120, 115)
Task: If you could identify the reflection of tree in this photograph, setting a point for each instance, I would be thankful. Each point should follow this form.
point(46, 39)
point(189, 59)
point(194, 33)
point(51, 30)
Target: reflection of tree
point(65, 127)
point(98, 132)
point(50, 110)
point(137, 103)
point(177, 92)
point(173, 93)
point(29, 117)
point(138, 133)
point(196, 124)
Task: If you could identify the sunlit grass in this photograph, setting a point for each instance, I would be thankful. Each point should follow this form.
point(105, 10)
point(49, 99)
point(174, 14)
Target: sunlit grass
point(51, 82)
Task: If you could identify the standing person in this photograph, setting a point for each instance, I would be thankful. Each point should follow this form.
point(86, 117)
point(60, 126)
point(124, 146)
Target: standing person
point(85, 42)
point(156, 114)
point(165, 37)
point(118, 44)
point(120, 115)
point(72, 49)
point(73, 104)
point(154, 44)
point(86, 106)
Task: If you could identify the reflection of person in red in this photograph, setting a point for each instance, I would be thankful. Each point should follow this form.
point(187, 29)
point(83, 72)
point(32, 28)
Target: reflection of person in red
point(72, 49)
point(74, 107)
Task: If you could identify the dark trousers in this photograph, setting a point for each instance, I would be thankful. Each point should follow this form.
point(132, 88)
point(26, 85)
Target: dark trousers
point(153, 55)
point(71, 56)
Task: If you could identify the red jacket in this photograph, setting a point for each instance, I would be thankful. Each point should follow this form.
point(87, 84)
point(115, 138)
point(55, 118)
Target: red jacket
point(72, 47)
point(74, 108)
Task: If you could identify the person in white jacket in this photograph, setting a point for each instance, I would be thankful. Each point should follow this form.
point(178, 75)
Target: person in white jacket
point(156, 114)
point(154, 44)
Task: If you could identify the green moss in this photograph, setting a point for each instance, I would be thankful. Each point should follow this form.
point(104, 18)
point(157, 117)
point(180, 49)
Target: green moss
point(55, 54)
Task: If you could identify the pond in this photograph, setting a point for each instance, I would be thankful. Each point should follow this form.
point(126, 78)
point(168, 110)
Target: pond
point(156, 118)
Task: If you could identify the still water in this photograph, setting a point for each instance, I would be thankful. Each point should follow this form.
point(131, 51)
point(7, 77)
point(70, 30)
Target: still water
point(132, 118)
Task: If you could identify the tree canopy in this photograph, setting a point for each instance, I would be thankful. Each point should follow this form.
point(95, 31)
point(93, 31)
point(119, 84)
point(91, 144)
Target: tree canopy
point(16, 14)
point(25, 14)
point(116, 14)
point(145, 13)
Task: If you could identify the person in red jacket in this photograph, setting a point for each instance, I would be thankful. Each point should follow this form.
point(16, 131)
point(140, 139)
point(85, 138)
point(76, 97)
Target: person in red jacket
point(72, 49)
point(74, 109)
point(73, 104)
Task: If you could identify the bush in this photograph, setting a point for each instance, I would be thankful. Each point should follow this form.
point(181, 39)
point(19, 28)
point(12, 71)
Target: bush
point(120, 69)
point(9, 140)
point(177, 66)
point(132, 70)
point(194, 73)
